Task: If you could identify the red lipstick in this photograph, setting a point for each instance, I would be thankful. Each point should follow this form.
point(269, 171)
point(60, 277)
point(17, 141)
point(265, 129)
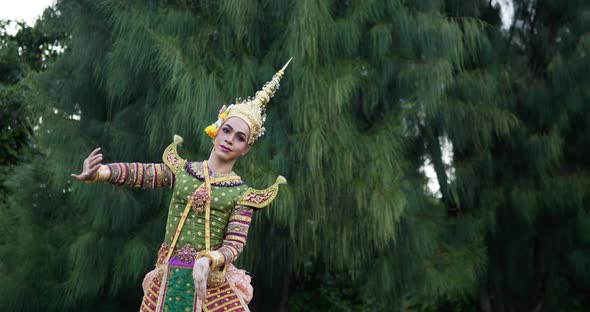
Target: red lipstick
point(224, 148)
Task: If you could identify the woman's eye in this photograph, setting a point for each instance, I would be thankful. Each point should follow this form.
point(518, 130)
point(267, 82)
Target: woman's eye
point(225, 130)
point(241, 139)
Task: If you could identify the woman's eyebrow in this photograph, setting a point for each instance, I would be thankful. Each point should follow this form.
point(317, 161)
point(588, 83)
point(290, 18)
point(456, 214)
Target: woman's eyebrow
point(239, 132)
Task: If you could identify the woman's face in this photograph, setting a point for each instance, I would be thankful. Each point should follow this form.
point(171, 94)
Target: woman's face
point(232, 140)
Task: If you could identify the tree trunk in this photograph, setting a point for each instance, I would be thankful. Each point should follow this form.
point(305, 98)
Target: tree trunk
point(435, 152)
point(284, 304)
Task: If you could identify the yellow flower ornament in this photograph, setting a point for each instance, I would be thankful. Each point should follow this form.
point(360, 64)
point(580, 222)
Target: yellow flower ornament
point(213, 129)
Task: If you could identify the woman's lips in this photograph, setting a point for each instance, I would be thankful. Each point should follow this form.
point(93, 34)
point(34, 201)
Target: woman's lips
point(225, 149)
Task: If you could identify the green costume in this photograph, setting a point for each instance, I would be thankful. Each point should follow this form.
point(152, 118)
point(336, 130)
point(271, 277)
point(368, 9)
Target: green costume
point(207, 212)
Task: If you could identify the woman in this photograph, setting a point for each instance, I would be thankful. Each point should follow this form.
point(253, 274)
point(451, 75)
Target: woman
point(209, 214)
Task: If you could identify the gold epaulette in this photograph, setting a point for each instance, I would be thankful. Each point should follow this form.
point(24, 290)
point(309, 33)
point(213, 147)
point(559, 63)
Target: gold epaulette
point(171, 158)
point(261, 198)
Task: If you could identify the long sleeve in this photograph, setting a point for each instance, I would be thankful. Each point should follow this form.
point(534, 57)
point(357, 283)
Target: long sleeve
point(239, 222)
point(136, 175)
point(236, 234)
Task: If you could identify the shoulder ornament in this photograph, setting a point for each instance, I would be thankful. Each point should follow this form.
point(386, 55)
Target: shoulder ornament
point(171, 158)
point(261, 198)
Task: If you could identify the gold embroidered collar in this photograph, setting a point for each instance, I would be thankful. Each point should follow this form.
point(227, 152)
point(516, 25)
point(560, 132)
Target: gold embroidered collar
point(225, 179)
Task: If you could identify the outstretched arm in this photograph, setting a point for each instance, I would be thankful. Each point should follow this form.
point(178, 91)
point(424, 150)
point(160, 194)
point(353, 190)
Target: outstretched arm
point(125, 174)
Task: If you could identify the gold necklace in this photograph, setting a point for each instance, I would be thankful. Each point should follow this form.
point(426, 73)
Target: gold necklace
point(215, 174)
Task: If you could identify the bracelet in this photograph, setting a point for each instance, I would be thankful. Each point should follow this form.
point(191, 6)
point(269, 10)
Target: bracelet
point(215, 256)
point(102, 174)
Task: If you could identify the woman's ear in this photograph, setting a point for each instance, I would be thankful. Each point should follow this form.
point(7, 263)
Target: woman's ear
point(246, 150)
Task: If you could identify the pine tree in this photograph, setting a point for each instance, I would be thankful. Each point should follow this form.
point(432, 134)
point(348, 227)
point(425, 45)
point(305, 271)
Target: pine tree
point(513, 234)
point(451, 95)
point(24, 53)
point(137, 72)
point(538, 254)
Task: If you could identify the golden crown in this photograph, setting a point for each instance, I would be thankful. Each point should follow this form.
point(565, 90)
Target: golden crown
point(252, 110)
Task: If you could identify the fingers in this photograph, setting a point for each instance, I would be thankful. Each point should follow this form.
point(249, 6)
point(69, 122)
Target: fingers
point(200, 273)
point(94, 160)
point(90, 166)
point(84, 176)
point(93, 169)
point(200, 284)
point(94, 152)
point(201, 288)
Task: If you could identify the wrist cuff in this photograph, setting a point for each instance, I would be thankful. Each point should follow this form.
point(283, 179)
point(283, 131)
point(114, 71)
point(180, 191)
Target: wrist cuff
point(103, 174)
point(216, 258)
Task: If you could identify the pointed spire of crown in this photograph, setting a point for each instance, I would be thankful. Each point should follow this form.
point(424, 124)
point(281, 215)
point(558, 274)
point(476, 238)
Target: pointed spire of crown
point(252, 110)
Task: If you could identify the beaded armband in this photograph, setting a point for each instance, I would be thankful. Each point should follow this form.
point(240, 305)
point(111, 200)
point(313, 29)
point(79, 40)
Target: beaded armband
point(261, 198)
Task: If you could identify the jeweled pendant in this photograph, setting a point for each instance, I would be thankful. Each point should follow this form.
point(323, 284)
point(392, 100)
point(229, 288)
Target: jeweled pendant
point(200, 198)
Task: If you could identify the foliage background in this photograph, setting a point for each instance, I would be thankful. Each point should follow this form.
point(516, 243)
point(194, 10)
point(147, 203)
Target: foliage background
point(376, 90)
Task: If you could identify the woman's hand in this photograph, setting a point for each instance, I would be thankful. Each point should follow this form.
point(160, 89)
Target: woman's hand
point(90, 166)
point(200, 274)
